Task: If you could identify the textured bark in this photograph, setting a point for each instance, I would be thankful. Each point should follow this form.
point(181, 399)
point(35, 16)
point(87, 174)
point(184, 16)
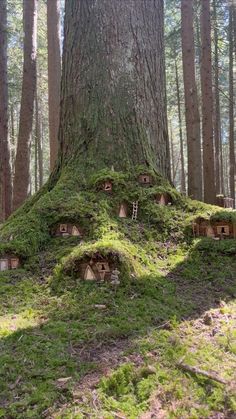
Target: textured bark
point(191, 102)
point(217, 115)
point(172, 155)
point(231, 107)
point(22, 163)
point(5, 167)
point(207, 105)
point(12, 139)
point(54, 75)
point(182, 177)
point(113, 110)
point(38, 141)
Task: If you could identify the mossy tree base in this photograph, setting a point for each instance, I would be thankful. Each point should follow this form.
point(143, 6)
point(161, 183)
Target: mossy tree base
point(82, 201)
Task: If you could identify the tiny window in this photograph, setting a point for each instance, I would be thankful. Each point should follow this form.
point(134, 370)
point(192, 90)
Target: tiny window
point(107, 186)
point(63, 228)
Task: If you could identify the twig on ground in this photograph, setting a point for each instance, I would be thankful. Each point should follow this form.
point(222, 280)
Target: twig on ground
point(195, 370)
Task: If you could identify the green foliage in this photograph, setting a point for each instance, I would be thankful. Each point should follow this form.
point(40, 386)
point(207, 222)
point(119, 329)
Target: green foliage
point(166, 275)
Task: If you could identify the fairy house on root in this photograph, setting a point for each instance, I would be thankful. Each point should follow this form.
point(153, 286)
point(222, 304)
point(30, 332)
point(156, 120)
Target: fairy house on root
point(123, 210)
point(66, 229)
point(163, 198)
point(215, 229)
point(98, 265)
point(225, 202)
point(96, 268)
point(145, 179)
point(8, 262)
point(107, 186)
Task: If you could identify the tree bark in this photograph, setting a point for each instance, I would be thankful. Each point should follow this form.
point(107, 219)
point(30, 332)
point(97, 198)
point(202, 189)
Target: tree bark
point(191, 102)
point(5, 166)
point(231, 107)
point(38, 141)
point(182, 177)
point(207, 105)
point(54, 75)
point(113, 109)
point(217, 115)
point(22, 164)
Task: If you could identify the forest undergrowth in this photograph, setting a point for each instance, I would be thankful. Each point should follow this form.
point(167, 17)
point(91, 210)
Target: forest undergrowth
point(77, 349)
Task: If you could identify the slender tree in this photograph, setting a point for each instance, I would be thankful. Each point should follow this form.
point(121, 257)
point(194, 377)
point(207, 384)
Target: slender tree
point(231, 107)
point(22, 163)
point(191, 102)
point(217, 113)
point(207, 105)
point(5, 166)
point(182, 178)
point(38, 141)
point(54, 75)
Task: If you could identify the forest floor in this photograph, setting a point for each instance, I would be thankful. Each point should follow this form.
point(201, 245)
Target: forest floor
point(95, 352)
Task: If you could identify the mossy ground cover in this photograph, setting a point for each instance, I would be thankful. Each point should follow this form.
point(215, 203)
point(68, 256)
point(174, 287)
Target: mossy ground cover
point(72, 349)
point(48, 336)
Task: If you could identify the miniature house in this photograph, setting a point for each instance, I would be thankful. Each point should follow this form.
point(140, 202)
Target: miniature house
point(67, 229)
point(96, 268)
point(228, 203)
point(123, 210)
point(89, 275)
point(214, 229)
point(145, 179)
point(107, 186)
point(163, 199)
point(224, 202)
point(223, 229)
point(9, 262)
point(4, 265)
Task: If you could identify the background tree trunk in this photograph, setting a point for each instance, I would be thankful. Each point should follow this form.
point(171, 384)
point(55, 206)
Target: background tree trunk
point(191, 102)
point(207, 105)
point(5, 166)
point(54, 75)
point(217, 116)
point(183, 182)
point(38, 141)
point(22, 163)
point(231, 107)
point(113, 109)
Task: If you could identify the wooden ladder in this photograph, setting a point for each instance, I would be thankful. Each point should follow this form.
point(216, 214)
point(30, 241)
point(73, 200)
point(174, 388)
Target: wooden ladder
point(135, 210)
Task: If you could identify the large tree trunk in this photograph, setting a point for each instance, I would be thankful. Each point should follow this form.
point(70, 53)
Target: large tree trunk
point(217, 115)
point(231, 107)
point(5, 166)
point(22, 164)
point(207, 105)
point(191, 102)
point(113, 110)
point(54, 75)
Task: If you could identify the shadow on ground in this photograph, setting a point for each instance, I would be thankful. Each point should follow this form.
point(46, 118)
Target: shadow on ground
point(73, 330)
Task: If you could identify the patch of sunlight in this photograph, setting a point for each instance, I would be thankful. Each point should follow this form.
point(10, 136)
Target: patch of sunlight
point(11, 323)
